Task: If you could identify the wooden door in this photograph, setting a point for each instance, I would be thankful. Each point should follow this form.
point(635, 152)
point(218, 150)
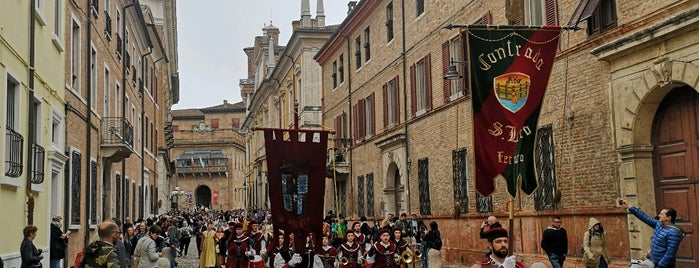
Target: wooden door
point(676, 165)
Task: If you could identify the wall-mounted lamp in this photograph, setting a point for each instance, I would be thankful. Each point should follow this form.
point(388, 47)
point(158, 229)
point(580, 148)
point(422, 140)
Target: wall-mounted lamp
point(452, 73)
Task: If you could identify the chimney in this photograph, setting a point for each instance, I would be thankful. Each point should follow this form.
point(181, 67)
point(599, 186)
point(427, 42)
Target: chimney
point(225, 101)
point(350, 6)
point(320, 14)
point(305, 13)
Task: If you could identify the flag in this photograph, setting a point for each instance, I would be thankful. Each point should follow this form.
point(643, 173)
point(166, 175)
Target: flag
point(215, 197)
point(510, 69)
point(201, 161)
point(296, 179)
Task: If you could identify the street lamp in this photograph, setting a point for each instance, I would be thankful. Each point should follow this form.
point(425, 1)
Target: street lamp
point(175, 198)
point(452, 73)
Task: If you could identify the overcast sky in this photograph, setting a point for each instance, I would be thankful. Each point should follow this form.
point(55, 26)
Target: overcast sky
point(211, 37)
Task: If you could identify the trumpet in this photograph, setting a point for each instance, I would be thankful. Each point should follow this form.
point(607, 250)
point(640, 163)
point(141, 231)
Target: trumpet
point(344, 261)
point(406, 256)
point(418, 254)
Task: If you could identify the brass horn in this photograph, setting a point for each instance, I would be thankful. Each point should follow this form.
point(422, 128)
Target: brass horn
point(406, 256)
point(344, 261)
point(418, 254)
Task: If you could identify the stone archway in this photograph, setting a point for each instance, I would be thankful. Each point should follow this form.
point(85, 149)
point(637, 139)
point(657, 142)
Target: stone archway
point(636, 102)
point(203, 196)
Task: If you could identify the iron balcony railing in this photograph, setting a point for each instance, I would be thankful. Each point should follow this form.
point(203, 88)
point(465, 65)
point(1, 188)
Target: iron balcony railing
point(38, 154)
point(13, 153)
point(117, 131)
point(340, 154)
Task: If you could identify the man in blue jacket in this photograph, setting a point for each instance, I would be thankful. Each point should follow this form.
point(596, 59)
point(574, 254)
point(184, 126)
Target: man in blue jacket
point(666, 236)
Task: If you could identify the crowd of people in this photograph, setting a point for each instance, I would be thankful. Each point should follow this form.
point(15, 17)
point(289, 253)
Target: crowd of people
point(248, 239)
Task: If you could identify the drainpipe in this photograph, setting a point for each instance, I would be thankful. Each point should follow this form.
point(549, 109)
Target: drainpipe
point(405, 113)
point(30, 135)
point(88, 135)
point(349, 117)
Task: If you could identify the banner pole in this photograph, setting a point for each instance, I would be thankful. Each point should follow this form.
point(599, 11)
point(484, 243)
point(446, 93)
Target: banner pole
point(510, 222)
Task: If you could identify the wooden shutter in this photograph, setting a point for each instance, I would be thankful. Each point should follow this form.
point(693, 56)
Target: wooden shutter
point(396, 105)
point(446, 83)
point(385, 105)
point(373, 114)
point(338, 134)
point(465, 82)
point(362, 119)
point(428, 82)
point(413, 98)
point(551, 12)
point(355, 121)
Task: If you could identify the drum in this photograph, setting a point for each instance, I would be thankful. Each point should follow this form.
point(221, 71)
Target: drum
point(257, 262)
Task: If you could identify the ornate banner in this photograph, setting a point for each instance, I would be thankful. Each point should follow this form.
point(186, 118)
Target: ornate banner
point(510, 69)
point(296, 178)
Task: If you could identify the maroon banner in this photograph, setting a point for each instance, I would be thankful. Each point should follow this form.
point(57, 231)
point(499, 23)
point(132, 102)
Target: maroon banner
point(296, 178)
point(510, 69)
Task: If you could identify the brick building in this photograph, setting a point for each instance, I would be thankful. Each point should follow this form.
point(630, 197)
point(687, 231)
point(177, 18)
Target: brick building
point(614, 122)
point(120, 80)
point(209, 158)
point(283, 89)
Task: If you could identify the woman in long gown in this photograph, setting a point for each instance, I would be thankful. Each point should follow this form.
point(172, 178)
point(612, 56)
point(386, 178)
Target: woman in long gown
point(208, 248)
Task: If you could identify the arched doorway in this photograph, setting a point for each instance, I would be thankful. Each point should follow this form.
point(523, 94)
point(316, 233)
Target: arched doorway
point(398, 187)
point(393, 190)
point(676, 165)
point(203, 196)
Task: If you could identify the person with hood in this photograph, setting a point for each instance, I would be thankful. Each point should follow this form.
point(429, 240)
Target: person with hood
point(103, 253)
point(594, 245)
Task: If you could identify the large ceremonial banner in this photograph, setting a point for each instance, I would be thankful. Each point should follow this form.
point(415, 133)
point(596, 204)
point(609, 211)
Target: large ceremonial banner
point(296, 178)
point(510, 68)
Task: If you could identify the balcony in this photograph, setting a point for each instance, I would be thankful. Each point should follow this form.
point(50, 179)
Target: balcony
point(117, 139)
point(338, 157)
point(13, 152)
point(38, 156)
point(201, 163)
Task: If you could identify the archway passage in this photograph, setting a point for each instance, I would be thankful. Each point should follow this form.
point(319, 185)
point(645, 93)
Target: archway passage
point(203, 196)
point(676, 165)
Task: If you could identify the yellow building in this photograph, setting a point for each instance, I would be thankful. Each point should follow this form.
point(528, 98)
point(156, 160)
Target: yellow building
point(31, 65)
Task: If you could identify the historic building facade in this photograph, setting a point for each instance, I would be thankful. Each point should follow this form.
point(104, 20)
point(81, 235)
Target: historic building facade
point(209, 158)
point(284, 90)
point(32, 92)
point(120, 80)
point(615, 121)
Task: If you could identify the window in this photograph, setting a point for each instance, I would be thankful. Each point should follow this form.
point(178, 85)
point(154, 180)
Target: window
point(13, 139)
point(117, 100)
point(74, 73)
point(107, 92)
point(236, 123)
point(75, 172)
point(117, 199)
point(460, 178)
point(484, 204)
point(419, 7)
point(214, 123)
point(360, 195)
point(370, 195)
point(358, 52)
point(453, 50)
point(546, 169)
point(423, 175)
point(91, 197)
point(364, 118)
point(58, 24)
point(389, 22)
point(334, 74)
point(140, 131)
point(541, 12)
point(127, 211)
point(391, 103)
point(369, 116)
point(57, 128)
point(341, 69)
point(603, 18)
point(93, 77)
point(39, 11)
point(421, 86)
point(367, 44)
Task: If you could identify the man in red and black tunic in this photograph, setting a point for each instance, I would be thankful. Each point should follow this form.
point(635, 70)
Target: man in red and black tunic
point(327, 253)
point(350, 252)
point(239, 249)
point(498, 259)
point(401, 244)
point(384, 252)
point(259, 244)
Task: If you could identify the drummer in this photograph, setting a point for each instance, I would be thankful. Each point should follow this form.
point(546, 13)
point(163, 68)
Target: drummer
point(259, 244)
